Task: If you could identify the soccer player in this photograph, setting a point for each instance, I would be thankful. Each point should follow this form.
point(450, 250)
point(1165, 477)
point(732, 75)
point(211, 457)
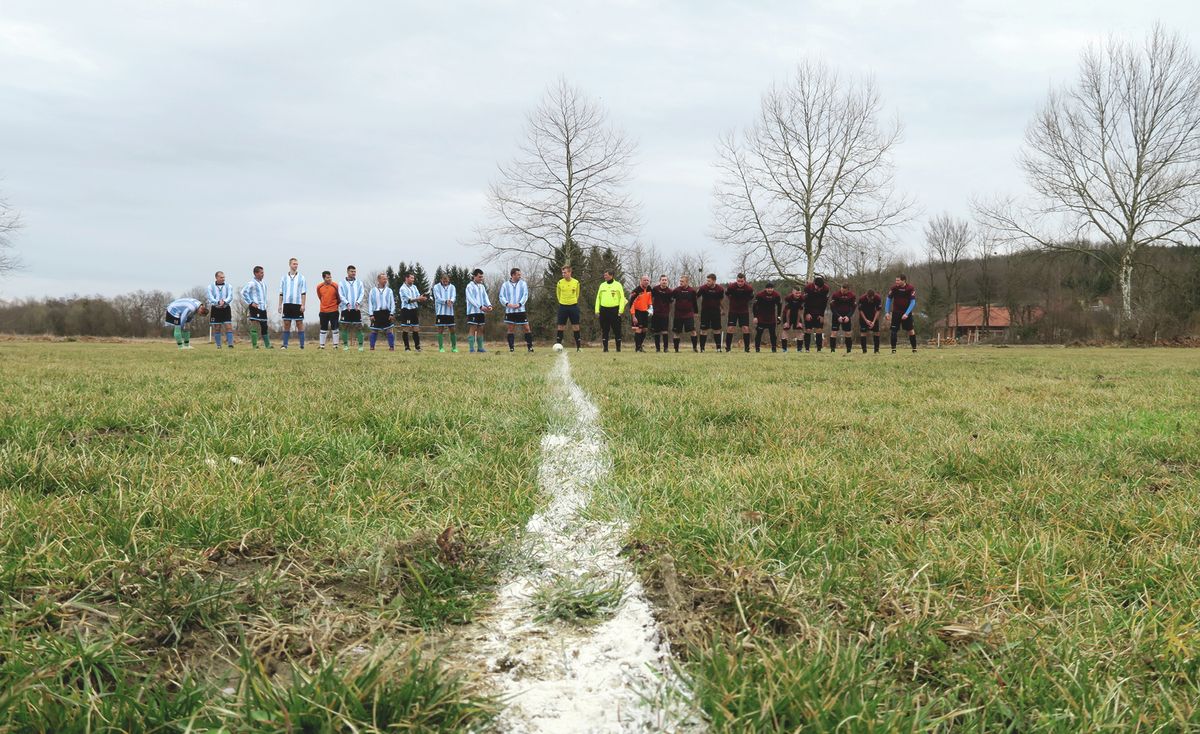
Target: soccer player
point(567, 292)
point(220, 309)
point(739, 293)
point(816, 299)
point(254, 295)
point(901, 300)
point(444, 296)
point(768, 304)
point(640, 300)
point(685, 311)
point(660, 315)
point(180, 313)
point(350, 298)
point(479, 304)
point(610, 304)
point(793, 305)
point(293, 297)
point(327, 297)
point(410, 311)
point(869, 307)
point(514, 294)
point(381, 302)
point(841, 311)
point(711, 296)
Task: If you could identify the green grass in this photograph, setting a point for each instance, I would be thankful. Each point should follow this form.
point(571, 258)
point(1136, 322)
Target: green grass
point(972, 539)
point(177, 524)
point(585, 599)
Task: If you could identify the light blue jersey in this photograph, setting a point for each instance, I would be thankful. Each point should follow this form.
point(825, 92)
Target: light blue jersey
point(218, 293)
point(517, 293)
point(408, 297)
point(255, 292)
point(441, 294)
point(183, 309)
point(292, 287)
point(477, 297)
point(350, 295)
point(381, 299)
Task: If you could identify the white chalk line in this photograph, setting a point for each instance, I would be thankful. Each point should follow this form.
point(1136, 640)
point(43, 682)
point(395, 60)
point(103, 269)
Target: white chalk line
point(616, 676)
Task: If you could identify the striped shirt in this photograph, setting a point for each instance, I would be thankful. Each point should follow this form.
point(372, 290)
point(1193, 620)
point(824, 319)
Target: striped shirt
point(441, 294)
point(350, 294)
point(183, 309)
point(408, 296)
point(218, 293)
point(255, 292)
point(381, 299)
point(292, 287)
point(517, 293)
point(477, 297)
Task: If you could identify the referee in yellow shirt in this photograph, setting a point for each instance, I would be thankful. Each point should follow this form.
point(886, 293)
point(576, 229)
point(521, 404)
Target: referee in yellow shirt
point(568, 305)
point(610, 304)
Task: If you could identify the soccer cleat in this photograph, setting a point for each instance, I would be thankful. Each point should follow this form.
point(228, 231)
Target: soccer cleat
point(360, 349)
point(284, 347)
point(454, 350)
point(322, 347)
point(893, 351)
point(187, 346)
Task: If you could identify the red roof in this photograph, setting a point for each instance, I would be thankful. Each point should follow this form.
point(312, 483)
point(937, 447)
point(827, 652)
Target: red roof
point(972, 316)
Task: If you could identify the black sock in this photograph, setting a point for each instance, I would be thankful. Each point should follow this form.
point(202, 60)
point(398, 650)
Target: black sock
point(746, 341)
point(658, 342)
point(558, 336)
point(512, 340)
point(784, 343)
point(529, 340)
point(675, 341)
point(618, 344)
point(703, 341)
point(849, 344)
point(404, 336)
point(416, 340)
point(773, 337)
point(820, 339)
point(807, 341)
point(604, 343)
point(876, 338)
point(728, 341)
point(578, 340)
point(893, 340)
point(758, 338)
point(912, 339)
point(863, 340)
point(694, 344)
point(638, 338)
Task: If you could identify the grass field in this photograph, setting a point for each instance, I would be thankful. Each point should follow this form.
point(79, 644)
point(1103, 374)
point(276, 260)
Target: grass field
point(989, 539)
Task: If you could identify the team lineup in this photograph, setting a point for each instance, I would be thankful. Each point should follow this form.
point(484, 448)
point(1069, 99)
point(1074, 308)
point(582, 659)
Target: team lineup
point(349, 311)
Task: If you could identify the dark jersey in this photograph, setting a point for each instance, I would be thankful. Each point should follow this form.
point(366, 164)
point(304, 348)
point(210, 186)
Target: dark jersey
point(870, 305)
point(901, 296)
point(816, 298)
point(685, 302)
point(710, 297)
point(662, 296)
point(767, 307)
point(793, 302)
point(739, 297)
point(842, 303)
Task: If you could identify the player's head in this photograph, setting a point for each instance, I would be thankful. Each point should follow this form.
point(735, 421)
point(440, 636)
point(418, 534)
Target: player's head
point(608, 276)
point(566, 271)
point(819, 281)
point(711, 278)
point(796, 288)
point(770, 286)
point(326, 276)
point(845, 286)
point(445, 278)
point(901, 279)
point(351, 272)
point(258, 272)
point(684, 280)
point(645, 281)
point(381, 279)
point(515, 274)
point(663, 280)
point(293, 264)
point(220, 276)
point(203, 309)
point(477, 275)
point(870, 292)
point(409, 278)
point(741, 278)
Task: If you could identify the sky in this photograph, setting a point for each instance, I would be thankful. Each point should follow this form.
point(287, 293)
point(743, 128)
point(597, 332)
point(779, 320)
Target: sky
point(148, 144)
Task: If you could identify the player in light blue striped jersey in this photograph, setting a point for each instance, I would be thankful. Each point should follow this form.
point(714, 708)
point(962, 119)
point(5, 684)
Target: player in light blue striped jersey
point(381, 302)
point(514, 294)
point(410, 311)
point(479, 304)
point(293, 297)
point(444, 296)
point(179, 315)
point(254, 295)
point(350, 298)
point(220, 309)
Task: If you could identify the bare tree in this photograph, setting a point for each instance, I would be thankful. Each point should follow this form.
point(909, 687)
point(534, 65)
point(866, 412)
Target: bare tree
point(10, 222)
point(947, 242)
point(814, 168)
point(643, 259)
point(566, 183)
point(1114, 157)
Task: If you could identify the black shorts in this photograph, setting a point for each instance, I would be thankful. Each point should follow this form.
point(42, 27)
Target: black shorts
point(837, 324)
point(516, 317)
point(381, 320)
point(660, 322)
point(685, 324)
point(862, 325)
point(220, 314)
point(351, 317)
point(814, 320)
point(410, 317)
point(257, 314)
point(710, 321)
point(292, 312)
point(643, 319)
point(739, 319)
point(329, 320)
point(793, 320)
point(763, 325)
point(172, 320)
point(568, 313)
point(476, 319)
point(899, 321)
point(444, 320)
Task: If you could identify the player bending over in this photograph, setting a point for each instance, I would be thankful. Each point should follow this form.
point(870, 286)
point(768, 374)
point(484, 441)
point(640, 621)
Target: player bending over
point(711, 294)
point(381, 302)
point(350, 298)
point(179, 314)
point(870, 307)
point(610, 304)
point(768, 304)
point(793, 306)
point(254, 295)
point(816, 298)
point(479, 304)
point(739, 293)
point(567, 292)
point(220, 309)
point(841, 310)
point(444, 297)
point(293, 296)
point(660, 313)
point(901, 300)
point(640, 300)
point(685, 311)
point(327, 298)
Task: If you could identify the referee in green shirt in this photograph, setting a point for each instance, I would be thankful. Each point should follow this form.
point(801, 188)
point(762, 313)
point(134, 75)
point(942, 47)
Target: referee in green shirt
point(610, 304)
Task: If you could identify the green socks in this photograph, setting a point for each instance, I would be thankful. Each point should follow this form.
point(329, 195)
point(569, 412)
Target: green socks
point(441, 340)
point(471, 342)
point(360, 337)
point(179, 336)
point(254, 338)
point(266, 340)
point(453, 340)
point(187, 338)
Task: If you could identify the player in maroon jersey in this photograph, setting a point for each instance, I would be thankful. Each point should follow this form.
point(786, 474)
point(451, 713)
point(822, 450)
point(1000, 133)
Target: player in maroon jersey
point(685, 311)
point(841, 312)
point(711, 294)
point(869, 307)
point(816, 298)
point(901, 300)
point(768, 304)
point(660, 320)
point(739, 293)
point(793, 306)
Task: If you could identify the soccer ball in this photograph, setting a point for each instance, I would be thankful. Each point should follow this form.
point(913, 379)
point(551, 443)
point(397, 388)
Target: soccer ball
point(558, 347)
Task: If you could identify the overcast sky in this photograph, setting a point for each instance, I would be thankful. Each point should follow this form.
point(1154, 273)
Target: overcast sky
point(149, 143)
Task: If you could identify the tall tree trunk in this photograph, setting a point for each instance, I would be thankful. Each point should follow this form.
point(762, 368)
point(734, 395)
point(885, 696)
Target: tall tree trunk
point(1125, 282)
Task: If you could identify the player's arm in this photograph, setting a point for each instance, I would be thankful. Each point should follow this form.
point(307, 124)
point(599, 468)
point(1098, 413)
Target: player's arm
point(887, 307)
point(621, 300)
